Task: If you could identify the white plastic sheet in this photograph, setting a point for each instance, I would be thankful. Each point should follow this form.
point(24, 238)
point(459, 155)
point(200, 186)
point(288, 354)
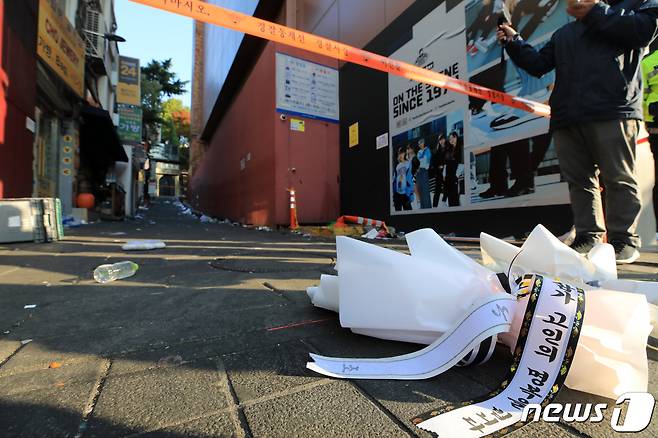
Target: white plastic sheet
point(647, 288)
point(611, 357)
point(143, 245)
point(326, 294)
point(381, 289)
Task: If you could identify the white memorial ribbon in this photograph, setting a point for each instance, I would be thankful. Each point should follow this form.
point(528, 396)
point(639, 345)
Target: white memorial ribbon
point(543, 355)
point(488, 318)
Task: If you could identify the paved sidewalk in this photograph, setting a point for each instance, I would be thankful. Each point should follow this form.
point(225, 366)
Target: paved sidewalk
point(210, 338)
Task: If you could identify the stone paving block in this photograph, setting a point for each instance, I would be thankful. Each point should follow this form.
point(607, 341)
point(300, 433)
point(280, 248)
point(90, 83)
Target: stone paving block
point(343, 343)
point(408, 399)
point(602, 429)
point(490, 374)
point(213, 426)
point(540, 429)
point(56, 412)
point(264, 372)
point(69, 373)
point(38, 356)
point(7, 348)
point(152, 399)
point(336, 409)
point(194, 354)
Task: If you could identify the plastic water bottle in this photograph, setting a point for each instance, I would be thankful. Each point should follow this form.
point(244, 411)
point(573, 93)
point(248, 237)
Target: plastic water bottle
point(107, 273)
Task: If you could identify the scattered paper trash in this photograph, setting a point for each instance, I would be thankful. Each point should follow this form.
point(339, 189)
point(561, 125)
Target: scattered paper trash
point(30, 306)
point(143, 245)
point(73, 222)
point(26, 341)
point(108, 273)
point(207, 220)
point(372, 234)
point(170, 361)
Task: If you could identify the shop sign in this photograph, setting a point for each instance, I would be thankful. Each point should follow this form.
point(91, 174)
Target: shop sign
point(128, 88)
point(60, 47)
point(130, 124)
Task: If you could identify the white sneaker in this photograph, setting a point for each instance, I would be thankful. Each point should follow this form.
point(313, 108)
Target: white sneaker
point(624, 253)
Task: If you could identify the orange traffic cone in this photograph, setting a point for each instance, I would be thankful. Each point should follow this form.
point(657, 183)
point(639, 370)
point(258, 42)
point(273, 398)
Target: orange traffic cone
point(294, 225)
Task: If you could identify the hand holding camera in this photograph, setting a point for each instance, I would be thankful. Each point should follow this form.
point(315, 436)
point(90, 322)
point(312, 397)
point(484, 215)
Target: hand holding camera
point(505, 33)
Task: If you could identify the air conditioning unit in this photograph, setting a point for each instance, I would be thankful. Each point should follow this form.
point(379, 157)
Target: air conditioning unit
point(94, 34)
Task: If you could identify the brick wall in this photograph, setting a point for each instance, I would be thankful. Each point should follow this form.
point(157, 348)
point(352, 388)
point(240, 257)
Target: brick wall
point(197, 146)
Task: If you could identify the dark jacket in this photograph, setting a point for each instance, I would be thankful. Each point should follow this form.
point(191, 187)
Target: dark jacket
point(596, 61)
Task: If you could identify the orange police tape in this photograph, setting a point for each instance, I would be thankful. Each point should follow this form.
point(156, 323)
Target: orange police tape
point(228, 18)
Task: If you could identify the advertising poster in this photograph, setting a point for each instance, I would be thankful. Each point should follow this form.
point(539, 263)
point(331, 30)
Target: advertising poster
point(450, 152)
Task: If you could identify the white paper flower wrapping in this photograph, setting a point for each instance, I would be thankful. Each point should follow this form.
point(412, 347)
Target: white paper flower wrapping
point(384, 292)
point(543, 253)
point(415, 298)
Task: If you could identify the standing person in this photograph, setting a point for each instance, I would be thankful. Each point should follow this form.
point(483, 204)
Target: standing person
point(454, 158)
point(596, 111)
point(403, 183)
point(422, 175)
point(650, 73)
point(436, 165)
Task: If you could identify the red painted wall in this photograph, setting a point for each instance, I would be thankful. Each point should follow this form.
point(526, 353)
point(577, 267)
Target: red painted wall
point(18, 55)
point(219, 186)
point(252, 128)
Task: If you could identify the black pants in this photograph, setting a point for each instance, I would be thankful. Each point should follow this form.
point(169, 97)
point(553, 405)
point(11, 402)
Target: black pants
point(438, 186)
point(451, 191)
point(520, 164)
point(401, 202)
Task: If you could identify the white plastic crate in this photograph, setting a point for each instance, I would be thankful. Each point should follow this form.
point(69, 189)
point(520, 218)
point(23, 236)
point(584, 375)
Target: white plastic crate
point(21, 220)
point(31, 220)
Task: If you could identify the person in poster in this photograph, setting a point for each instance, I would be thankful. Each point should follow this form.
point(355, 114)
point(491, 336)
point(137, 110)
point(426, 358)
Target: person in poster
point(596, 111)
point(403, 183)
point(437, 164)
point(454, 169)
point(422, 175)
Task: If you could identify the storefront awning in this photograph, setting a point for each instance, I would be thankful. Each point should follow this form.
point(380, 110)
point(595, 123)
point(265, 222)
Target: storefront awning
point(99, 138)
